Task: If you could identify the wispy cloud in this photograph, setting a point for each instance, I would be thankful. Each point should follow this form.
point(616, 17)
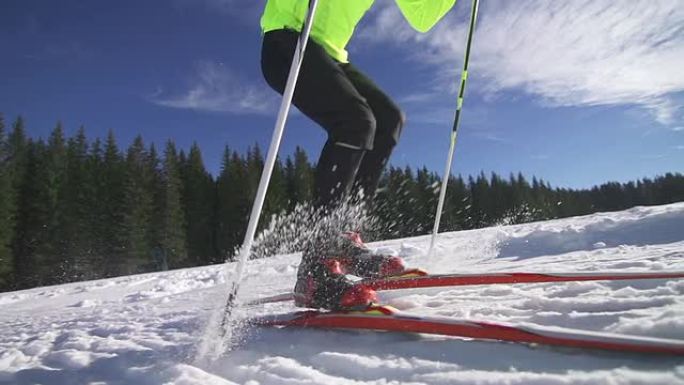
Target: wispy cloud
point(653, 156)
point(418, 98)
point(540, 157)
point(678, 129)
point(214, 87)
point(566, 53)
point(489, 136)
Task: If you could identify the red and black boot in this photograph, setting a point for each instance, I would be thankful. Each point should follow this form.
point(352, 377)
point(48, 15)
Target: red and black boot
point(326, 286)
point(361, 262)
point(322, 280)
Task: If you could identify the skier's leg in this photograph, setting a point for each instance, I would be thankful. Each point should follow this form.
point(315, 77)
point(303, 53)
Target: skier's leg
point(335, 172)
point(389, 122)
point(325, 94)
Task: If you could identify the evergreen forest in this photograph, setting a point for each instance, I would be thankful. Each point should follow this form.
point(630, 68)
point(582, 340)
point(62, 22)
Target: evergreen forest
point(73, 209)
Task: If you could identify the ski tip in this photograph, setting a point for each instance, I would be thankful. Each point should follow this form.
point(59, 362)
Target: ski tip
point(409, 273)
point(372, 309)
point(375, 309)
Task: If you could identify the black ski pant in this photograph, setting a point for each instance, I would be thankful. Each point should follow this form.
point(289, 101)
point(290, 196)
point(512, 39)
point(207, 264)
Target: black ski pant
point(362, 122)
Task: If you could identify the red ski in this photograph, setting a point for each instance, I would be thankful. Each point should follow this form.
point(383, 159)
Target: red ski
point(386, 318)
point(420, 279)
point(439, 280)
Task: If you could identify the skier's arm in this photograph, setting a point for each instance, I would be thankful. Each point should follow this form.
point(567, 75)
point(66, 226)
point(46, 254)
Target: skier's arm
point(424, 14)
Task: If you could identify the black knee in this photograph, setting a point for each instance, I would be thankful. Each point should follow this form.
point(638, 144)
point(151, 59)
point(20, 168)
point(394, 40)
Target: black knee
point(356, 128)
point(390, 123)
point(335, 172)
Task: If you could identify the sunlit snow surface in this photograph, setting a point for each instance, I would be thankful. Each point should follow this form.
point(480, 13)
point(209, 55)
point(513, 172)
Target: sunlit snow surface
point(145, 329)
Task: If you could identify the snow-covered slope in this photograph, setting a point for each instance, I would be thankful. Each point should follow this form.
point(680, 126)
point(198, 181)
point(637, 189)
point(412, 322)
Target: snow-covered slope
point(144, 329)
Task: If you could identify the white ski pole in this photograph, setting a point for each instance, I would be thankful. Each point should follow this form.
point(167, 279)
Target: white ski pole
point(285, 104)
point(454, 131)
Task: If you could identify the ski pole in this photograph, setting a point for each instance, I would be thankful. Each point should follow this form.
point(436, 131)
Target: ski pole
point(454, 131)
point(285, 104)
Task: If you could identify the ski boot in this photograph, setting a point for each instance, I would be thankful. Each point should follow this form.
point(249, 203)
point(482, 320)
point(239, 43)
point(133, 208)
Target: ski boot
point(357, 259)
point(322, 280)
point(333, 292)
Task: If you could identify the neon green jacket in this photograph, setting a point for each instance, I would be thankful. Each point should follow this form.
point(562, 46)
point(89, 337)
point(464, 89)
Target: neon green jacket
point(335, 20)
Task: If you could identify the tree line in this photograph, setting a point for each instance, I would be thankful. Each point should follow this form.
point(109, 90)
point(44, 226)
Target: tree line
point(71, 209)
point(491, 200)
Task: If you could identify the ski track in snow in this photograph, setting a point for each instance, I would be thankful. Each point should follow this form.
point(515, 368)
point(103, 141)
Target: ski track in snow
point(144, 329)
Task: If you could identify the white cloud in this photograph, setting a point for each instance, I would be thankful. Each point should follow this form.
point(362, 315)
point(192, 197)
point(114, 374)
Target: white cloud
point(216, 88)
point(540, 157)
point(566, 53)
point(653, 156)
point(418, 98)
point(489, 136)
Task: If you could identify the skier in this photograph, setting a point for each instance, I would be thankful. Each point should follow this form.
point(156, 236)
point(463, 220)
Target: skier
point(363, 126)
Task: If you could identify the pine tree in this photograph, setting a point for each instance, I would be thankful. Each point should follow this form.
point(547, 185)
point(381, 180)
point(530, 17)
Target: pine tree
point(35, 209)
point(109, 212)
point(276, 196)
point(7, 213)
point(156, 233)
point(76, 202)
point(480, 193)
point(300, 178)
point(139, 207)
point(254, 164)
point(20, 149)
point(647, 192)
point(91, 262)
point(497, 206)
point(173, 240)
point(49, 182)
point(233, 204)
point(223, 197)
point(456, 214)
point(394, 209)
point(539, 200)
point(31, 218)
point(199, 195)
point(521, 210)
point(17, 144)
point(425, 201)
point(276, 202)
point(671, 187)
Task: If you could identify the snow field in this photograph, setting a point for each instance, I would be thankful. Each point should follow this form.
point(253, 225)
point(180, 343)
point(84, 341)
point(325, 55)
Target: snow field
point(145, 329)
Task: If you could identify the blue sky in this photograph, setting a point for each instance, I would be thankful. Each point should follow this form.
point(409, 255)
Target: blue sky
point(577, 93)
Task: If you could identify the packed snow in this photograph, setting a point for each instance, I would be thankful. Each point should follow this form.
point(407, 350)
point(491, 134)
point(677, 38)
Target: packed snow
point(146, 329)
